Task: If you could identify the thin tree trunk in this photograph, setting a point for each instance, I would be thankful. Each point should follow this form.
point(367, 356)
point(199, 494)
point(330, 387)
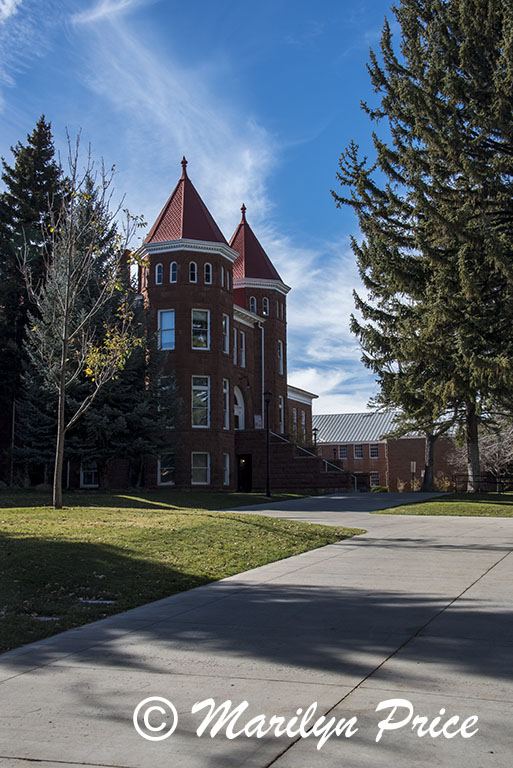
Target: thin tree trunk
point(59, 447)
point(427, 482)
point(473, 468)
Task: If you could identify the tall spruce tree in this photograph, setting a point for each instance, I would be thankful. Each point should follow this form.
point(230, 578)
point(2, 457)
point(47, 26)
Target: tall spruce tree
point(32, 187)
point(436, 212)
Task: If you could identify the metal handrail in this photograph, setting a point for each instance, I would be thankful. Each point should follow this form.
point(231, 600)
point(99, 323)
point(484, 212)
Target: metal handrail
point(315, 456)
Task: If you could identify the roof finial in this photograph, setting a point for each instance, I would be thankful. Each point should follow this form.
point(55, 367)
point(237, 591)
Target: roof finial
point(184, 168)
point(243, 209)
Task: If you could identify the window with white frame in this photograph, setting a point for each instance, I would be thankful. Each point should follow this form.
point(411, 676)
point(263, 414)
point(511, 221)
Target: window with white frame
point(303, 425)
point(200, 329)
point(207, 274)
point(173, 272)
point(342, 451)
point(226, 334)
point(226, 404)
point(200, 401)
point(281, 414)
point(200, 468)
point(166, 328)
point(222, 277)
point(239, 410)
point(374, 451)
point(277, 308)
point(280, 356)
point(226, 469)
point(252, 304)
point(265, 306)
point(374, 479)
point(242, 340)
point(358, 451)
point(166, 469)
point(89, 477)
point(193, 272)
point(159, 274)
point(227, 280)
point(294, 422)
point(235, 348)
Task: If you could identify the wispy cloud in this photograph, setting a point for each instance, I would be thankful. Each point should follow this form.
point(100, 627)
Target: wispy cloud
point(106, 9)
point(169, 109)
point(8, 8)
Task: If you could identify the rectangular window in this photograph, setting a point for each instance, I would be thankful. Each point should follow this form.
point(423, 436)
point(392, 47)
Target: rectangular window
point(294, 422)
point(280, 356)
point(89, 474)
point(358, 451)
point(226, 334)
point(226, 469)
point(342, 451)
point(200, 466)
point(200, 401)
point(242, 337)
point(374, 451)
point(226, 404)
point(166, 328)
point(374, 479)
point(166, 469)
point(281, 414)
point(303, 425)
point(201, 329)
point(235, 346)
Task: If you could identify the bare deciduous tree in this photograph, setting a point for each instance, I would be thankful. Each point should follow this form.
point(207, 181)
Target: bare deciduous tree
point(82, 327)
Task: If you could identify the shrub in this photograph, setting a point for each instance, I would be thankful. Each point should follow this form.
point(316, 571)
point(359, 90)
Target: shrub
point(379, 489)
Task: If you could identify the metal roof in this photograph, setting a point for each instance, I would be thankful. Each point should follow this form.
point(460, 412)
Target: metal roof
point(366, 427)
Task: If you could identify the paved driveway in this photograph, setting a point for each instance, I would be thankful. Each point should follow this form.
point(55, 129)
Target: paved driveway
point(417, 609)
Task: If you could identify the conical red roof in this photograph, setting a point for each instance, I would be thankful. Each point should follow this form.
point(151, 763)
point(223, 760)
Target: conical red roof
point(185, 215)
point(252, 260)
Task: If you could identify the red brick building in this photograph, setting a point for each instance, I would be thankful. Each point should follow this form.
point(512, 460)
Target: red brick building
point(355, 441)
point(220, 311)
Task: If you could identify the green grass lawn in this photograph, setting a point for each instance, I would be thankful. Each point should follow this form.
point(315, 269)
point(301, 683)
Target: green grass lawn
point(129, 549)
point(462, 504)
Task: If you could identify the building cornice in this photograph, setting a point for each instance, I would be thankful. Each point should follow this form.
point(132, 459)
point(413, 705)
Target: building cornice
point(264, 284)
point(185, 244)
point(245, 317)
point(301, 395)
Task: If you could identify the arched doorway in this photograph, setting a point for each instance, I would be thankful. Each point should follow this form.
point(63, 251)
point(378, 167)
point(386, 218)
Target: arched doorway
point(238, 409)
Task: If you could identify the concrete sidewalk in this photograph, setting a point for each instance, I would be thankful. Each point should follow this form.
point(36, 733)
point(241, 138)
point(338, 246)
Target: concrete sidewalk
point(418, 608)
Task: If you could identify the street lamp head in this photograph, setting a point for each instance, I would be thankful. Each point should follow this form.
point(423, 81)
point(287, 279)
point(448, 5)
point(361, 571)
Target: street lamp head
point(267, 396)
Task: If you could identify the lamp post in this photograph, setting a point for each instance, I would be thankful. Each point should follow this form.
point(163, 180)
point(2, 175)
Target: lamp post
point(314, 433)
point(267, 400)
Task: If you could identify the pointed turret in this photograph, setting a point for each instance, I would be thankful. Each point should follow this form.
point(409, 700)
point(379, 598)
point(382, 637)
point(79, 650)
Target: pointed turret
point(185, 216)
point(252, 262)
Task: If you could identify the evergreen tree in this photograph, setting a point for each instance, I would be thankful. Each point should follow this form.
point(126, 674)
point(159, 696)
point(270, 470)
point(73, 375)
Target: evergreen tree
point(32, 191)
point(436, 212)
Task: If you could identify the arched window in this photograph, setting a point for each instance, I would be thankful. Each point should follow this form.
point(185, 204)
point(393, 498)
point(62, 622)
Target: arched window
point(252, 305)
point(238, 409)
point(193, 272)
point(159, 274)
point(265, 306)
point(207, 273)
point(173, 271)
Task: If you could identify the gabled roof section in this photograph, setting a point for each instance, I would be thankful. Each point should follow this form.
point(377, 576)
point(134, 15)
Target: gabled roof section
point(253, 260)
point(185, 215)
point(366, 427)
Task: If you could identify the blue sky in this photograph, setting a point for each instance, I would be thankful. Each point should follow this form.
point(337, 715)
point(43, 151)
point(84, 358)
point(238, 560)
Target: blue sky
point(262, 98)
